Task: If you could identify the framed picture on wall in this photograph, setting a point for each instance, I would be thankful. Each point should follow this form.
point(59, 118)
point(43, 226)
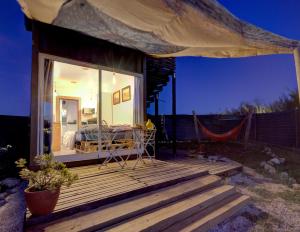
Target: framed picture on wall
point(116, 97)
point(126, 94)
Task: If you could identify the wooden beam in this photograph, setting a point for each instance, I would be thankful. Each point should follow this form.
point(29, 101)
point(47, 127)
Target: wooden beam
point(34, 120)
point(196, 127)
point(248, 129)
point(297, 65)
point(156, 105)
point(145, 78)
point(174, 113)
point(156, 121)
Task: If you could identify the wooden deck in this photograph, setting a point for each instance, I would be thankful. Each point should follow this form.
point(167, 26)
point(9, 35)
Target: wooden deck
point(220, 168)
point(96, 187)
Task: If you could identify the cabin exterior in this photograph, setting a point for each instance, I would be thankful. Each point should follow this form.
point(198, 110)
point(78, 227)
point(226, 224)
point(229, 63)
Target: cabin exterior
point(79, 83)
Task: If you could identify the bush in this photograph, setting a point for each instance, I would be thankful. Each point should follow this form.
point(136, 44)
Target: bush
point(50, 176)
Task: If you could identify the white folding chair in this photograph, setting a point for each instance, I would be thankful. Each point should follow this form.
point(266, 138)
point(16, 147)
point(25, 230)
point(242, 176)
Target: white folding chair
point(149, 143)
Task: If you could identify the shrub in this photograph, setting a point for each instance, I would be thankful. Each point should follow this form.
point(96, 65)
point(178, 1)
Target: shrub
point(51, 174)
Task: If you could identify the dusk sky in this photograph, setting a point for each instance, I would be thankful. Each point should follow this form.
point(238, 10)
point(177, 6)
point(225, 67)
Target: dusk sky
point(204, 84)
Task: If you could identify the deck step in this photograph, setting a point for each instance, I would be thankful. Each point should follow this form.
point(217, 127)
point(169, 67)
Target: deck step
point(90, 200)
point(161, 219)
point(112, 214)
point(202, 222)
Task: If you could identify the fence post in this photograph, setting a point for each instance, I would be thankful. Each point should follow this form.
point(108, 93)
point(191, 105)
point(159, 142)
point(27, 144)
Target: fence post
point(248, 128)
point(196, 126)
point(255, 127)
point(297, 126)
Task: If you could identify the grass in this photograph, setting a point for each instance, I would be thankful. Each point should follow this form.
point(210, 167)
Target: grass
point(254, 155)
point(290, 196)
point(263, 193)
point(265, 224)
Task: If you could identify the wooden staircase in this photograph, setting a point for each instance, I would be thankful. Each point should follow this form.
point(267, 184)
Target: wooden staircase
point(193, 205)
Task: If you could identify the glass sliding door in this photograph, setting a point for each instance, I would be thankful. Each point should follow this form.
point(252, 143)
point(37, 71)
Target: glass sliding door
point(71, 109)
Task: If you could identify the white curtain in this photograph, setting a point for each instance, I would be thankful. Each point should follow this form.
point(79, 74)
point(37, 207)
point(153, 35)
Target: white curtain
point(138, 101)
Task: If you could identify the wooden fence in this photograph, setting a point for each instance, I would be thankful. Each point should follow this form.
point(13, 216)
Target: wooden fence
point(15, 131)
point(282, 128)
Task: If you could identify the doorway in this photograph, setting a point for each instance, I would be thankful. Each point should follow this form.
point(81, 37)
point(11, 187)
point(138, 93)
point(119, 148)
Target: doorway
point(67, 122)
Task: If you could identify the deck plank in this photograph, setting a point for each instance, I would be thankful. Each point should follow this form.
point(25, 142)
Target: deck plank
point(97, 187)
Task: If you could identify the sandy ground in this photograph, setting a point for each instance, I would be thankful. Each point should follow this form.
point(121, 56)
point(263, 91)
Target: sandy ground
point(275, 207)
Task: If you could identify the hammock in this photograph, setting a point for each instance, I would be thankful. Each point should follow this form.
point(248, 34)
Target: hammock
point(224, 137)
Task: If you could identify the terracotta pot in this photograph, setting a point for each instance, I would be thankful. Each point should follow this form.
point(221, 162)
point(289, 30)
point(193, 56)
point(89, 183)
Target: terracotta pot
point(41, 202)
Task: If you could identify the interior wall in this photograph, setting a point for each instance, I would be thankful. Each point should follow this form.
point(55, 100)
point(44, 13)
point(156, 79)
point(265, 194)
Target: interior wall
point(76, 81)
point(107, 107)
point(121, 113)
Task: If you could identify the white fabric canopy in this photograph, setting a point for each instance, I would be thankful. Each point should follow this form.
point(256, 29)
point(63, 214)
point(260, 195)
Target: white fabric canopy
point(164, 28)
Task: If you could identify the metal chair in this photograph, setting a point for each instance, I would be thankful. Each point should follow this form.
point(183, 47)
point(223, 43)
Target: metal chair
point(149, 143)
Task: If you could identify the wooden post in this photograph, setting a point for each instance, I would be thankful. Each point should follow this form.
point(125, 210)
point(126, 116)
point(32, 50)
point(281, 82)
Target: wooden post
point(248, 129)
point(297, 120)
point(174, 113)
point(196, 127)
point(156, 122)
point(297, 65)
point(145, 87)
point(34, 115)
point(156, 105)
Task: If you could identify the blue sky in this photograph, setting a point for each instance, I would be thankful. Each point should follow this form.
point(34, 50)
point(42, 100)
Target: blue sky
point(204, 84)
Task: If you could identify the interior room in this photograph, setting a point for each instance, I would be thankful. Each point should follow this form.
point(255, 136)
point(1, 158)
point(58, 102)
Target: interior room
point(76, 106)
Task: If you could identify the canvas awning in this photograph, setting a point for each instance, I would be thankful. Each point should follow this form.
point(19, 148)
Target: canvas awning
point(164, 28)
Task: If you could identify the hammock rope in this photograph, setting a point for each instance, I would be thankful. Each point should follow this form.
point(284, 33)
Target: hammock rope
point(223, 137)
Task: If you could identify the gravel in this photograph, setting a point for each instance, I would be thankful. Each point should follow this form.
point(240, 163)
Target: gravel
point(13, 208)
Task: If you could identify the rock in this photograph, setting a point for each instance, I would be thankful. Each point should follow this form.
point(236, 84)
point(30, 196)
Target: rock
point(200, 157)
point(284, 176)
point(213, 158)
point(12, 212)
point(224, 159)
point(253, 213)
point(2, 202)
point(282, 160)
point(241, 179)
point(270, 169)
point(238, 223)
point(3, 195)
point(273, 155)
point(262, 164)
point(275, 161)
point(296, 186)
point(292, 181)
point(267, 150)
point(12, 190)
point(10, 182)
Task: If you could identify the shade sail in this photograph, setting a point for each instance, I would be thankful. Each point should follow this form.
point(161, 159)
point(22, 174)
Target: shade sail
point(164, 28)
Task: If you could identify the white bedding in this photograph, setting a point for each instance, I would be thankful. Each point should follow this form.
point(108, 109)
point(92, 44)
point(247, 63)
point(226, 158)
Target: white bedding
point(69, 139)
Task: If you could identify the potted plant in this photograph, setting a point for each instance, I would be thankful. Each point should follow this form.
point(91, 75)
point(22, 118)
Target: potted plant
point(44, 184)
